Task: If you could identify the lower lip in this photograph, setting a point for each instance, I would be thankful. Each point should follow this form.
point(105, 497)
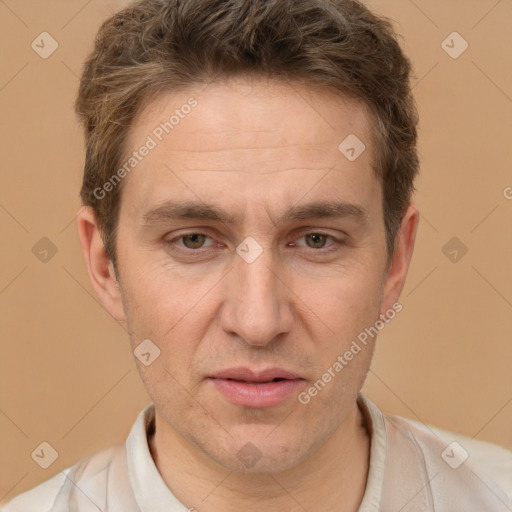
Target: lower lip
point(268, 394)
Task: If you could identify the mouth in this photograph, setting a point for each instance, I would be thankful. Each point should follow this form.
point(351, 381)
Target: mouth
point(256, 389)
point(258, 381)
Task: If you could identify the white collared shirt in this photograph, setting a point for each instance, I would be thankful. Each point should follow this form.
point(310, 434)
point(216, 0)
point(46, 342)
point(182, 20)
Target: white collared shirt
point(412, 469)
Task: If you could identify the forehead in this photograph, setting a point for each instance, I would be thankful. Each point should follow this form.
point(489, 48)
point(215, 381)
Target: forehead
point(263, 140)
point(242, 106)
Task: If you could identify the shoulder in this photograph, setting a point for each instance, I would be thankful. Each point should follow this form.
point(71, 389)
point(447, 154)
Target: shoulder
point(460, 471)
point(418, 467)
point(489, 458)
point(90, 475)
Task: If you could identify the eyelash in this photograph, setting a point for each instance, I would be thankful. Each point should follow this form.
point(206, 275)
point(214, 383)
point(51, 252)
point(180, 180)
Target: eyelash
point(322, 250)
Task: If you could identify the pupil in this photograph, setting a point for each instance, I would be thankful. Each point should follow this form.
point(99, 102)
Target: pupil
point(194, 241)
point(318, 240)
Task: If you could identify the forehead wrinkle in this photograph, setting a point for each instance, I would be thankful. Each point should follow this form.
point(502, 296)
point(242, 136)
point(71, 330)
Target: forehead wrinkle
point(272, 171)
point(247, 148)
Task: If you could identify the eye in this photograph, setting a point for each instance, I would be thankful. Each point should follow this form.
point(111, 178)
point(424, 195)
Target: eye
point(191, 240)
point(316, 240)
point(194, 240)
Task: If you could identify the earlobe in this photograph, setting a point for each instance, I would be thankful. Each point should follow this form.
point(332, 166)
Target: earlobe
point(99, 266)
point(401, 258)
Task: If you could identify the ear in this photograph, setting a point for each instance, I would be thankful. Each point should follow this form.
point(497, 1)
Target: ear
point(99, 265)
point(402, 253)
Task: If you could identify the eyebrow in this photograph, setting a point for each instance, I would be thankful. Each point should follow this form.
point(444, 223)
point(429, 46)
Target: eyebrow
point(181, 210)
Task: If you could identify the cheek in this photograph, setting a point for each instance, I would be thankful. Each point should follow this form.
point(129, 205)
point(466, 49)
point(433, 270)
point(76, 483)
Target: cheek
point(158, 298)
point(344, 303)
point(349, 307)
point(165, 311)
point(171, 310)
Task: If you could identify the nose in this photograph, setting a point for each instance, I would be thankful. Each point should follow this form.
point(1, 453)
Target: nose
point(258, 307)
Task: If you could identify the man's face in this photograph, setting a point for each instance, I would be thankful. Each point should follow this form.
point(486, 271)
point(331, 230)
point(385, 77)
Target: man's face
point(292, 297)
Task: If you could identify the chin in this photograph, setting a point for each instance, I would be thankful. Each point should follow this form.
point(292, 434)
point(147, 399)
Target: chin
point(266, 461)
point(260, 450)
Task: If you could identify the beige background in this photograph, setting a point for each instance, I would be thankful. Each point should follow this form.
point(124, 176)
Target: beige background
point(67, 375)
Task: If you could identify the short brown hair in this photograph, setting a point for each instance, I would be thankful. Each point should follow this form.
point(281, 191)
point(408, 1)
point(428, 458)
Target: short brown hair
point(156, 46)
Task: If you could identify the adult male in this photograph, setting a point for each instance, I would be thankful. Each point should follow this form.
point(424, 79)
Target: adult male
point(247, 217)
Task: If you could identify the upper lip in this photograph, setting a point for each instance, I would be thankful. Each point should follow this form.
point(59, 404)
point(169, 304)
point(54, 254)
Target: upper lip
point(248, 375)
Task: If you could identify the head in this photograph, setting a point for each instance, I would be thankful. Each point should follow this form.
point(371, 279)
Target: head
point(247, 186)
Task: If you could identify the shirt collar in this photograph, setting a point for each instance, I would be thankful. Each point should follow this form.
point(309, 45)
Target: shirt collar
point(374, 422)
point(149, 489)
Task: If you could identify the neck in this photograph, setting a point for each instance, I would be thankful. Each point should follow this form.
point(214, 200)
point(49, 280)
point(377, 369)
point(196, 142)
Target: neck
point(332, 479)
